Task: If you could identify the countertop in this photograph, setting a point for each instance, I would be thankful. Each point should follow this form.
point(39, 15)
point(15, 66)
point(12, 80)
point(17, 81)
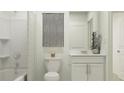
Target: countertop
point(87, 55)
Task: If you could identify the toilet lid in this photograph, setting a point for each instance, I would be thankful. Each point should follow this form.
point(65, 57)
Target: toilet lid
point(52, 74)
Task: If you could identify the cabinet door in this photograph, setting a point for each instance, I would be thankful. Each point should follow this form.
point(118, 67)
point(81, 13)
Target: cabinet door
point(79, 72)
point(95, 72)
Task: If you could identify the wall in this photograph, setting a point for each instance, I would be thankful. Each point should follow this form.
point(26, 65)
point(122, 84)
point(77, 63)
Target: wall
point(35, 50)
point(31, 45)
point(105, 31)
point(15, 26)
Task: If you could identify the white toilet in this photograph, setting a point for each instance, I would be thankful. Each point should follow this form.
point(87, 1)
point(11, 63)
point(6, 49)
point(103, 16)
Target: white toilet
point(53, 67)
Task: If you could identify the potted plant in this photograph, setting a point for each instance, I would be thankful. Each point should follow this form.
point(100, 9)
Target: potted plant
point(96, 43)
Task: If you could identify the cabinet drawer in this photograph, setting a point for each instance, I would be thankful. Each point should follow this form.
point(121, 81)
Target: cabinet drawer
point(79, 60)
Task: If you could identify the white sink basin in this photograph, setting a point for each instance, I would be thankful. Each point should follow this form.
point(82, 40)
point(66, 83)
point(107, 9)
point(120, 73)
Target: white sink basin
point(84, 53)
point(80, 52)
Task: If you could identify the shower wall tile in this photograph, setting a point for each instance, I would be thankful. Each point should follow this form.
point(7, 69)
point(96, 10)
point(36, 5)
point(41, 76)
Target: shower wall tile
point(8, 74)
point(19, 41)
point(0, 64)
point(4, 26)
point(23, 62)
point(1, 75)
point(1, 50)
point(8, 63)
point(6, 48)
point(13, 25)
point(21, 71)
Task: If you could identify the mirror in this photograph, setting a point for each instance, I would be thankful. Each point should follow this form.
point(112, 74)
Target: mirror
point(78, 33)
point(82, 25)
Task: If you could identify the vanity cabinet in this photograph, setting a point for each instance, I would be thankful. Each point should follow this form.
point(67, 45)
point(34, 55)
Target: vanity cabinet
point(95, 72)
point(79, 72)
point(88, 68)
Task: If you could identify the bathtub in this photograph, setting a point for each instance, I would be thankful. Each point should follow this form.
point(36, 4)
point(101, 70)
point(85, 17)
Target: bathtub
point(22, 77)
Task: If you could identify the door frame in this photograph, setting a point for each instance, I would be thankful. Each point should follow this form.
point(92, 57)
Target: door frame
point(112, 34)
point(110, 44)
point(110, 47)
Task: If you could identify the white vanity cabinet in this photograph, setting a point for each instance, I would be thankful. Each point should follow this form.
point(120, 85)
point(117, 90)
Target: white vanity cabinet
point(79, 72)
point(96, 72)
point(88, 68)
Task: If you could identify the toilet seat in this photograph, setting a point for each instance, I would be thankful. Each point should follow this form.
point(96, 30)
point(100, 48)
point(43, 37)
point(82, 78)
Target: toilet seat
point(52, 76)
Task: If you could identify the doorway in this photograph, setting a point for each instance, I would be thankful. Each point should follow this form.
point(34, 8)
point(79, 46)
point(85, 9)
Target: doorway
point(118, 45)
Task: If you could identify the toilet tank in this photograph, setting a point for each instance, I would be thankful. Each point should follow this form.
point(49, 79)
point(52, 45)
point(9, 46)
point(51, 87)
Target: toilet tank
point(53, 64)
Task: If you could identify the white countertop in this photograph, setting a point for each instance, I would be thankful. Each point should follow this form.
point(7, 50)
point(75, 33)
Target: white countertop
point(86, 55)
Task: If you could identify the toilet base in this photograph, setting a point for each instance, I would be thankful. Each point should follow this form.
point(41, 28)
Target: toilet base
point(51, 76)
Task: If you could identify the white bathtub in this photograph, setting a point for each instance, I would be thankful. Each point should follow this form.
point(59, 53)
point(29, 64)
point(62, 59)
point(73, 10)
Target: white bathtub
point(21, 78)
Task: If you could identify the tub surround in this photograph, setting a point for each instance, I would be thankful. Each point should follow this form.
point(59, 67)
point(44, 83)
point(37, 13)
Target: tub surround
point(13, 41)
point(22, 77)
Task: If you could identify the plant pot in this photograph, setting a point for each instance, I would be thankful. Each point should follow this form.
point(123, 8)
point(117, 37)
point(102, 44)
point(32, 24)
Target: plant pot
point(95, 51)
point(53, 54)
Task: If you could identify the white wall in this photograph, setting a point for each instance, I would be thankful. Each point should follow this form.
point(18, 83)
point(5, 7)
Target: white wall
point(31, 45)
point(35, 59)
point(105, 29)
point(14, 24)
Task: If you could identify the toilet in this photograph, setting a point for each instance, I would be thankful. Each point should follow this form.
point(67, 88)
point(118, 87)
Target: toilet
point(53, 67)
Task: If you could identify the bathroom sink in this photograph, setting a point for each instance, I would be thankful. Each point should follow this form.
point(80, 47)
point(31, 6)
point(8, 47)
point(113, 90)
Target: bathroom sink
point(84, 52)
point(80, 52)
